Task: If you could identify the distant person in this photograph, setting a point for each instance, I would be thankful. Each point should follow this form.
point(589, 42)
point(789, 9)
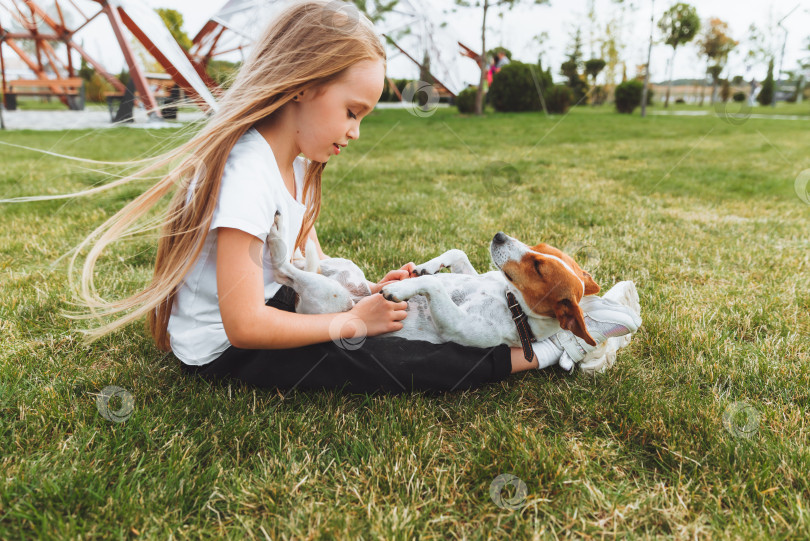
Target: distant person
point(501, 60)
point(753, 94)
point(492, 70)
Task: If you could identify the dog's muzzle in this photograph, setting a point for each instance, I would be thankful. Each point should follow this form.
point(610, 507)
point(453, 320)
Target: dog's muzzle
point(504, 248)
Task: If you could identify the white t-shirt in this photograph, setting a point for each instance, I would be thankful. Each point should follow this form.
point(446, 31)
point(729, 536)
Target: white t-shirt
point(250, 193)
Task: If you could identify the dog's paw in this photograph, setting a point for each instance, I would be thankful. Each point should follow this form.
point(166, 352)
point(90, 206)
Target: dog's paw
point(274, 235)
point(431, 267)
point(566, 363)
point(398, 291)
point(275, 243)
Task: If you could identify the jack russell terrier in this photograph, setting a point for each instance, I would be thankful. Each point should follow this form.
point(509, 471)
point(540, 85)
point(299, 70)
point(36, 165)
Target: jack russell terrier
point(536, 291)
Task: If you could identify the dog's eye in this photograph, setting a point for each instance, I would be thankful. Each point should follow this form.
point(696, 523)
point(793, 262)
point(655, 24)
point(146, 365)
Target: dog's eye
point(537, 268)
point(507, 276)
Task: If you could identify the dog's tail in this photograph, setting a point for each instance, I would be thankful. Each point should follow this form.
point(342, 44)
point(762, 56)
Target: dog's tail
point(313, 261)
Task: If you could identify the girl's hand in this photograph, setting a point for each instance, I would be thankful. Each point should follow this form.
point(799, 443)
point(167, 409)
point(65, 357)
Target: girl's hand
point(377, 315)
point(406, 271)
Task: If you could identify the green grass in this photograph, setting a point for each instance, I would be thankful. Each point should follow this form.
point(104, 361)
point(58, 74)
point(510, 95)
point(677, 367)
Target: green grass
point(701, 214)
point(782, 108)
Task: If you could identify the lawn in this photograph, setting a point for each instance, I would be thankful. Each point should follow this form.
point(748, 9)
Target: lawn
point(701, 213)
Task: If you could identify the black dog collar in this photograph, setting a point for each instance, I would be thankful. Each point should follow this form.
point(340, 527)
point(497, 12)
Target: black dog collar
point(522, 323)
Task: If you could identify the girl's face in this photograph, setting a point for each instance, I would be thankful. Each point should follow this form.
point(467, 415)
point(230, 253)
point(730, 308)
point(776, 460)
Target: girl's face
point(328, 119)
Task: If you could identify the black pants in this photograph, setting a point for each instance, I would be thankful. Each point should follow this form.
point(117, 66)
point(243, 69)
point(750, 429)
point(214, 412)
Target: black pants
point(379, 363)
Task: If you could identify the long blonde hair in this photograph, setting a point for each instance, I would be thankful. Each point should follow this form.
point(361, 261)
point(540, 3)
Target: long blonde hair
point(309, 45)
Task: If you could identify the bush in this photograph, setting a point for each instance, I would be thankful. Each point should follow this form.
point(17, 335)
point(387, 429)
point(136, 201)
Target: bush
point(96, 87)
point(388, 95)
point(598, 95)
point(628, 96)
point(513, 88)
point(465, 100)
point(739, 96)
point(558, 99)
point(222, 72)
point(124, 77)
point(85, 71)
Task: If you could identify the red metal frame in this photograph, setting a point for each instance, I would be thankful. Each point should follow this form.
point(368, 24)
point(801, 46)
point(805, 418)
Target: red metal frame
point(204, 48)
point(26, 12)
point(164, 62)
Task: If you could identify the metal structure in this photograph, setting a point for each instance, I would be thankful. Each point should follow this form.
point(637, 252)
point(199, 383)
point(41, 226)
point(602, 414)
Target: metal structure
point(27, 21)
point(235, 27)
point(411, 30)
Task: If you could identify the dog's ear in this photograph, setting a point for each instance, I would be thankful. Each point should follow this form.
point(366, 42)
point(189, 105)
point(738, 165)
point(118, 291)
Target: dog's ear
point(591, 287)
point(570, 317)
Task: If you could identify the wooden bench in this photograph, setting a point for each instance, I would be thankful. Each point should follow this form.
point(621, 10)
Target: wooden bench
point(70, 91)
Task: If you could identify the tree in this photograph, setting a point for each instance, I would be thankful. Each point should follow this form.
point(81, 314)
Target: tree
point(593, 68)
point(714, 71)
point(86, 72)
point(570, 69)
point(611, 45)
point(767, 94)
point(680, 25)
point(763, 44)
point(486, 5)
point(424, 70)
point(222, 72)
point(645, 92)
point(804, 65)
point(492, 52)
point(376, 12)
point(725, 91)
point(716, 44)
point(173, 20)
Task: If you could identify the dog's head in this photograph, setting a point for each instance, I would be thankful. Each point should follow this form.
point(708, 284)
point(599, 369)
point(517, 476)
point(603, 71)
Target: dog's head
point(545, 281)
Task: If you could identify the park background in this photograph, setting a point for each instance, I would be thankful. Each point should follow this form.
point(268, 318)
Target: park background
point(700, 430)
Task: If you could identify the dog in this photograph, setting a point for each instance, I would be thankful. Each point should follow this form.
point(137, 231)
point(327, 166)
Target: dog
point(463, 306)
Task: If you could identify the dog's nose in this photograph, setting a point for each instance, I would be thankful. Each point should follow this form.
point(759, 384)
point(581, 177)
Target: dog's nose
point(500, 238)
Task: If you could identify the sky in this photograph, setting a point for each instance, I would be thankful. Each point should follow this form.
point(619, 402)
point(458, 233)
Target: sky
point(517, 30)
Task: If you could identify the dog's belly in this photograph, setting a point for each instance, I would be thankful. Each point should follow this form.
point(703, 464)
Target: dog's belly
point(481, 300)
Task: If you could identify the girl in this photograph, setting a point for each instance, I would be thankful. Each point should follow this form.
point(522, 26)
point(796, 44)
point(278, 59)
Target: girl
point(317, 71)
